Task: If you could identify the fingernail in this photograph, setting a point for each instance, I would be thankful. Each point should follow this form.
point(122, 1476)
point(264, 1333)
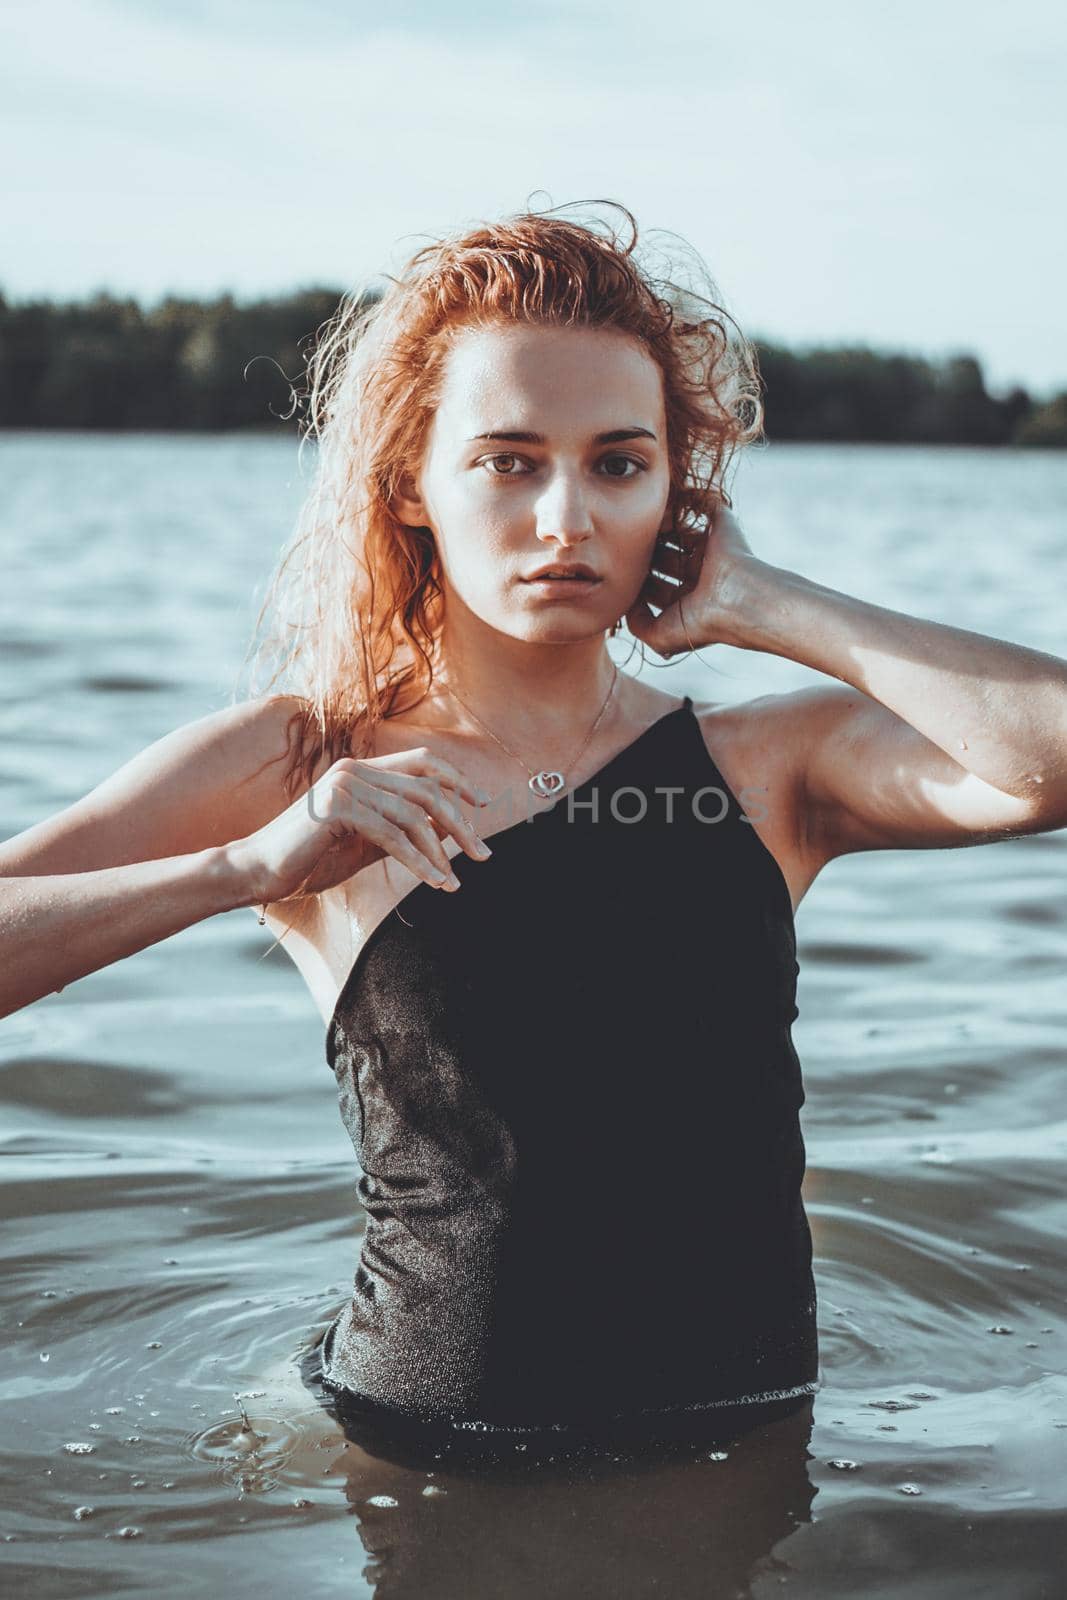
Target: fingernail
point(481, 848)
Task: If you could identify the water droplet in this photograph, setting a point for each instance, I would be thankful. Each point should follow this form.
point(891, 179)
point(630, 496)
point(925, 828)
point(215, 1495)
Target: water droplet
point(909, 1488)
point(45, 1356)
point(382, 1500)
point(1000, 1328)
point(154, 1344)
point(717, 1455)
point(115, 1411)
point(127, 1533)
point(843, 1465)
point(79, 1449)
point(433, 1488)
point(301, 1504)
point(81, 1512)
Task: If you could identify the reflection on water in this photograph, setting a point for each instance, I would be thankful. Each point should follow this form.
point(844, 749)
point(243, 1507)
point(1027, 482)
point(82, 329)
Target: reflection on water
point(181, 1198)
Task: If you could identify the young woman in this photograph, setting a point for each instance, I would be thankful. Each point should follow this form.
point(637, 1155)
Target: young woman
point(564, 1056)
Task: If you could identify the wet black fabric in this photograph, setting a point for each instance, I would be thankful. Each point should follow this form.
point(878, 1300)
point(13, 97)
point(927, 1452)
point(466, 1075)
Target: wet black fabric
point(574, 1097)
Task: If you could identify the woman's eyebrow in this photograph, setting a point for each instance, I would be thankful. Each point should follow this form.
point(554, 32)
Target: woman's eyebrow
point(521, 436)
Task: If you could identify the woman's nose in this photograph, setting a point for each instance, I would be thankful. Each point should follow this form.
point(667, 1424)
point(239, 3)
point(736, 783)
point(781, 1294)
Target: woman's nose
point(563, 510)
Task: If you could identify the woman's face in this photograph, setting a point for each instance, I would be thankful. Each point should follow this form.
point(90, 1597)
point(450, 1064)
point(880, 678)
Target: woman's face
point(501, 507)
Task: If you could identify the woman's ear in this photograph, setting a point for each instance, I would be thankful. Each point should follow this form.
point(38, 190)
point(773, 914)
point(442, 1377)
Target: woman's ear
point(407, 505)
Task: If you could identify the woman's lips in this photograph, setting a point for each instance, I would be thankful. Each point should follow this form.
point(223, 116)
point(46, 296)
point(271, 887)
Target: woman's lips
point(560, 586)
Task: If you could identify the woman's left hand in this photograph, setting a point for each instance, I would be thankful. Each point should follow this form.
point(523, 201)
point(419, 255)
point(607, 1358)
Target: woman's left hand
point(708, 607)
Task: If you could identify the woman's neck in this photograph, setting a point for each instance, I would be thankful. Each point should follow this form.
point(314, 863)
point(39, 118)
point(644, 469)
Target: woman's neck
point(538, 690)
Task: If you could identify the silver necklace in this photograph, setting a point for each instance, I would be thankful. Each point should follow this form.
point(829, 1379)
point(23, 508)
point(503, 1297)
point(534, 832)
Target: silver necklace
point(543, 784)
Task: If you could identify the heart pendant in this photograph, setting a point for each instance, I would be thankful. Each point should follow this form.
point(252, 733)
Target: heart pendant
point(546, 784)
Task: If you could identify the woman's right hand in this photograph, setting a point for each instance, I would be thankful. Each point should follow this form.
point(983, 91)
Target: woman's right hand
point(360, 810)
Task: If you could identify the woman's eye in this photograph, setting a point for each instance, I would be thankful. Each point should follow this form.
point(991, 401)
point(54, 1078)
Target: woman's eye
point(627, 461)
point(630, 461)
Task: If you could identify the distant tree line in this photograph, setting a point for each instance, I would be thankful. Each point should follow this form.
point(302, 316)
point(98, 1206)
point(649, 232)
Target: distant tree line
point(109, 363)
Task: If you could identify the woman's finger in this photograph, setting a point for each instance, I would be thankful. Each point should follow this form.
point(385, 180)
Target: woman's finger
point(661, 591)
point(396, 840)
point(675, 563)
point(423, 763)
point(432, 792)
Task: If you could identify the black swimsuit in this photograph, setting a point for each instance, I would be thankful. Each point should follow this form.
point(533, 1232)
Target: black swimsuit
point(574, 1096)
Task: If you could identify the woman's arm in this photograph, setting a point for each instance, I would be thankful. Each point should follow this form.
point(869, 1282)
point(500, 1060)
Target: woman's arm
point(142, 856)
point(935, 736)
point(58, 928)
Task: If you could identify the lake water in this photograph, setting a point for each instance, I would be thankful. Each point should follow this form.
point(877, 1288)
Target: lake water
point(179, 1193)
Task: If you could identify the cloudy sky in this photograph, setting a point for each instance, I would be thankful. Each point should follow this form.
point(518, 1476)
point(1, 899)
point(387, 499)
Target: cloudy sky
point(850, 170)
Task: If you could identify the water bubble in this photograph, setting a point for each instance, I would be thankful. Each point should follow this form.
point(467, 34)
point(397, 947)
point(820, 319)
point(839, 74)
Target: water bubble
point(843, 1465)
point(49, 1294)
point(45, 1356)
point(301, 1504)
point(81, 1512)
point(115, 1411)
point(154, 1344)
point(893, 1405)
point(79, 1449)
point(382, 1500)
point(1000, 1328)
point(432, 1488)
point(127, 1533)
point(909, 1488)
point(717, 1455)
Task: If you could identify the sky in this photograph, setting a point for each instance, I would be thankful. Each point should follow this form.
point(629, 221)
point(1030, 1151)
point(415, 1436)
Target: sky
point(849, 171)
